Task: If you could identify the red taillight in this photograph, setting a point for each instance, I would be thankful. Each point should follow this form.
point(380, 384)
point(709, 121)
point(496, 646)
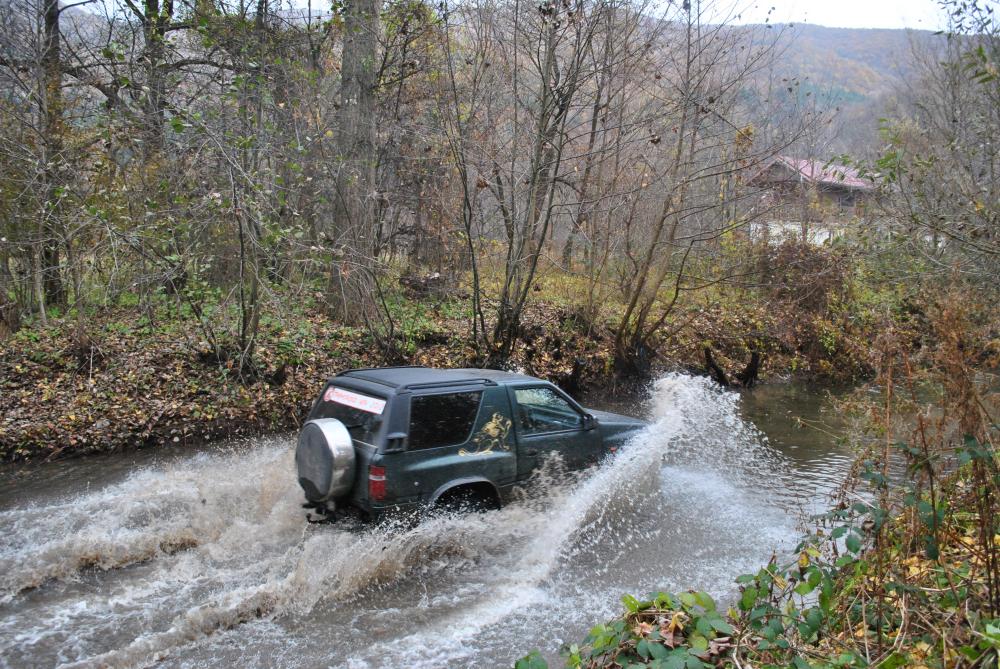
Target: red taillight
point(376, 483)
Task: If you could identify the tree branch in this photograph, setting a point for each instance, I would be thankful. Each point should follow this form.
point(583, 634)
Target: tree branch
point(75, 4)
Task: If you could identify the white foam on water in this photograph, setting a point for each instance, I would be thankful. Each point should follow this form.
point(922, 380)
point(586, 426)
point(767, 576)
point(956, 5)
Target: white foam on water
point(161, 566)
point(152, 513)
point(695, 424)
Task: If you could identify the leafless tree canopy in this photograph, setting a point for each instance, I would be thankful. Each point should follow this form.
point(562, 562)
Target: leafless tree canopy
point(231, 156)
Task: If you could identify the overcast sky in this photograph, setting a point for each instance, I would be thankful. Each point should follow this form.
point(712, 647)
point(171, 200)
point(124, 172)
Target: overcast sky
point(921, 14)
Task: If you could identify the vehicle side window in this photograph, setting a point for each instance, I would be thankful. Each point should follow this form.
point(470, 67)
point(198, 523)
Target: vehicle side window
point(542, 410)
point(442, 420)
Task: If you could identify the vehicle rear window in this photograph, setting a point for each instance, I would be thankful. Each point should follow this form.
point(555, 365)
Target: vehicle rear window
point(442, 420)
point(360, 414)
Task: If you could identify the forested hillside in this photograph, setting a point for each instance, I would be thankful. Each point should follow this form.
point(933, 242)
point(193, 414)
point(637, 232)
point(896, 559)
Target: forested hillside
point(490, 177)
point(859, 61)
point(855, 76)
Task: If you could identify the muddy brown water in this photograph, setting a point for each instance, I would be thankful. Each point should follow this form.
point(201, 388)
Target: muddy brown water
point(177, 558)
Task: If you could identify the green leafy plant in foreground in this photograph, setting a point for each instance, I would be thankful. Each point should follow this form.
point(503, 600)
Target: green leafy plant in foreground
point(868, 588)
point(670, 631)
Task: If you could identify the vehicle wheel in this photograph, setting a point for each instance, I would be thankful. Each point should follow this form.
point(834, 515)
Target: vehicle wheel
point(464, 500)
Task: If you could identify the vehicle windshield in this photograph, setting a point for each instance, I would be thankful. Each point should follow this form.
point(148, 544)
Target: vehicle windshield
point(360, 414)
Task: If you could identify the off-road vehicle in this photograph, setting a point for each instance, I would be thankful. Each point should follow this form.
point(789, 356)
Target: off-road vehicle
point(397, 438)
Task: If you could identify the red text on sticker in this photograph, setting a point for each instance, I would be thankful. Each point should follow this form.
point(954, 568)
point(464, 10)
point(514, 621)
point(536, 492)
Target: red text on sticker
point(354, 400)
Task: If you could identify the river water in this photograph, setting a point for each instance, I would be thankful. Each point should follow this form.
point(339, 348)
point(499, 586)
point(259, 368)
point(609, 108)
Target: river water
point(204, 559)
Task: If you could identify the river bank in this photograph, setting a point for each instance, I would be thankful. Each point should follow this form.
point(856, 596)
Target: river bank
point(902, 570)
point(865, 592)
point(137, 378)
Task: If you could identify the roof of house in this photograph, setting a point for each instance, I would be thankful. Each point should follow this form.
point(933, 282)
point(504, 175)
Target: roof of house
point(817, 172)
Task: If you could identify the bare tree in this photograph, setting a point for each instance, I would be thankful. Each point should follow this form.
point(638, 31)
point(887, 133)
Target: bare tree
point(530, 99)
point(690, 196)
point(942, 167)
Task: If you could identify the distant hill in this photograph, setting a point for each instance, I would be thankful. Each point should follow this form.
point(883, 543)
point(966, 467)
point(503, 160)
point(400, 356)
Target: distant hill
point(857, 71)
point(858, 61)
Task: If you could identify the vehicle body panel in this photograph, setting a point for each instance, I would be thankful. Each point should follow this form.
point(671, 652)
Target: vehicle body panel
point(576, 445)
point(616, 429)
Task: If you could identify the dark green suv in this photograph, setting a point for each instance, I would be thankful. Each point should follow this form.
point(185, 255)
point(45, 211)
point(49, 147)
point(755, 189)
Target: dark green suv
point(413, 437)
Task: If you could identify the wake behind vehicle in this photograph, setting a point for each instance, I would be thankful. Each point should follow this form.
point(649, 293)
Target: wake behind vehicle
point(410, 438)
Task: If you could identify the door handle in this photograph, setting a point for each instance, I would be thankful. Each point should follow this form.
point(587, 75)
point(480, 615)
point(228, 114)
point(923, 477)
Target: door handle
point(530, 451)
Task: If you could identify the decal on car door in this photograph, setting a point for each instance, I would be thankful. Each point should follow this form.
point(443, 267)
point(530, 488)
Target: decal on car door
point(492, 435)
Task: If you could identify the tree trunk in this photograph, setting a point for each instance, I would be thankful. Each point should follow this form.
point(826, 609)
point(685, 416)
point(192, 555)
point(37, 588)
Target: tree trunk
point(10, 309)
point(157, 18)
point(50, 228)
point(351, 289)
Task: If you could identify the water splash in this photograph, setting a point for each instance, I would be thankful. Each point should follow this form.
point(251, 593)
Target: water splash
point(714, 457)
point(152, 513)
point(160, 566)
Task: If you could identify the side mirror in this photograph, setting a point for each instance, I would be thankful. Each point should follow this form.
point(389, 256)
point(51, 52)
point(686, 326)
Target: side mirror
point(589, 421)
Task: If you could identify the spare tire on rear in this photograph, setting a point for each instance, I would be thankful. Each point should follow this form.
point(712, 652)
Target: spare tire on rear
point(324, 458)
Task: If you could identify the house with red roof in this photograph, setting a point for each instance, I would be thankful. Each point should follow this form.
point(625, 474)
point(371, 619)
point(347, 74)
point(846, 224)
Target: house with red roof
point(809, 198)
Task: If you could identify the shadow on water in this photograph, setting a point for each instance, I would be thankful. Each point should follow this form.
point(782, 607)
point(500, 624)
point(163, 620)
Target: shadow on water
point(203, 560)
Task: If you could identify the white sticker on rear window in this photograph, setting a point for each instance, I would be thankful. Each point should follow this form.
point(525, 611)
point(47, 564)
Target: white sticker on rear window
point(354, 400)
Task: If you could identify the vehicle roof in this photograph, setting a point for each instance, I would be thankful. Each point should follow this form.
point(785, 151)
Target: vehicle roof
point(401, 378)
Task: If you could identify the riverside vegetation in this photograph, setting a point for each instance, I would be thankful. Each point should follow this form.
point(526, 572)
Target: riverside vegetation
point(145, 377)
point(903, 571)
point(207, 207)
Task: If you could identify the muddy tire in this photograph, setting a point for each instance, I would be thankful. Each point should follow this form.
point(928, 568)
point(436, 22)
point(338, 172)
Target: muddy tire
point(324, 458)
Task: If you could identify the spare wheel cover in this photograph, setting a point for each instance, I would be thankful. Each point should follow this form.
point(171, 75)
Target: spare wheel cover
point(324, 458)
